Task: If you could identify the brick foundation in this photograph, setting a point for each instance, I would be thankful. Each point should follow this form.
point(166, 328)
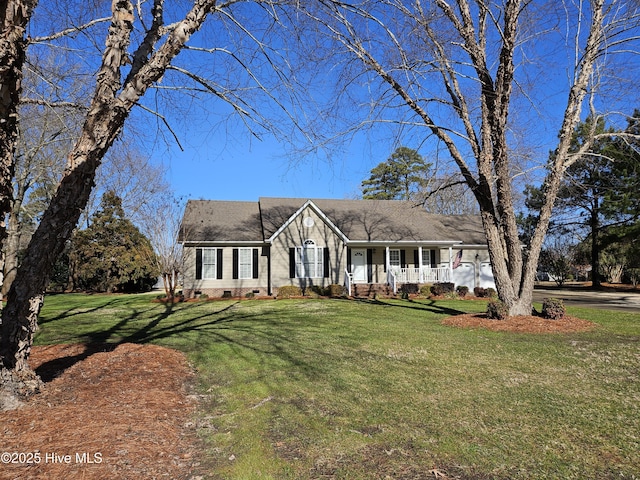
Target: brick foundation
point(224, 292)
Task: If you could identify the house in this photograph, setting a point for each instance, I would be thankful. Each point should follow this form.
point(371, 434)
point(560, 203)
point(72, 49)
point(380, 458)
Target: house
point(236, 247)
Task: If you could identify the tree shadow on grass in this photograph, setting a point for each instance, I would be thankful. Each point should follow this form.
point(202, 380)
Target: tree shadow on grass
point(431, 306)
point(101, 341)
point(223, 325)
point(251, 331)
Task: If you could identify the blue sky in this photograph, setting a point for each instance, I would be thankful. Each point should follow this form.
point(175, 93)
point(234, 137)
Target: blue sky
point(250, 168)
point(221, 160)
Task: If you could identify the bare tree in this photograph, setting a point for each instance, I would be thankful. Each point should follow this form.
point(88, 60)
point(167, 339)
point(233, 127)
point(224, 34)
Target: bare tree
point(459, 69)
point(140, 53)
point(449, 196)
point(161, 222)
point(14, 18)
point(48, 129)
point(41, 144)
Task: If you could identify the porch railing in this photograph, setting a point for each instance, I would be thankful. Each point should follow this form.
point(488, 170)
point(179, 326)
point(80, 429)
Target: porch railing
point(421, 275)
point(392, 281)
point(397, 276)
point(348, 281)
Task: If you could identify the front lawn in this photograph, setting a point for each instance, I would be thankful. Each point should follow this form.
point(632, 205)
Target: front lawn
point(349, 389)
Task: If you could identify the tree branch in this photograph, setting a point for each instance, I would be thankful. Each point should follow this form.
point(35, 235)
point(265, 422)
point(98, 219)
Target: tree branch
point(68, 31)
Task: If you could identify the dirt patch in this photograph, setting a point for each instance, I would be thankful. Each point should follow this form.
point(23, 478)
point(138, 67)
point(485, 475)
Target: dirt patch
point(521, 324)
point(122, 413)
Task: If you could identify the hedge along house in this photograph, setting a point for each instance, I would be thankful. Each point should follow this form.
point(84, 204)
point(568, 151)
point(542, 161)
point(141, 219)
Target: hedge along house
point(233, 248)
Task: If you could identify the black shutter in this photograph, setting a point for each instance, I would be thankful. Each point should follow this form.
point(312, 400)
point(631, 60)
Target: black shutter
point(369, 265)
point(198, 264)
point(292, 262)
point(384, 260)
point(416, 259)
point(325, 260)
point(219, 263)
point(403, 259)
point(349, 260)
point(433, 258)
point(235, 263)
point(255, 263)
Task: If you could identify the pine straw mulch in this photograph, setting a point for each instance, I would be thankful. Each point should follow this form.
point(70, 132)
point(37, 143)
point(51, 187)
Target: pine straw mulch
point(520, 324)
point(126, 409)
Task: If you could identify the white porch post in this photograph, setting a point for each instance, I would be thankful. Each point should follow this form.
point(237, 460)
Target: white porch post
point(386, 258)
point(420, 274)
point(451, 264)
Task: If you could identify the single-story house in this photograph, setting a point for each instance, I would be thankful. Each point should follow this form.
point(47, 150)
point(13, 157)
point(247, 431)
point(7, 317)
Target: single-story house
point(237, 247)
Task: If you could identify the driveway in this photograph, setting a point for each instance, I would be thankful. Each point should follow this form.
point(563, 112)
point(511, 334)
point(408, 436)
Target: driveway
point(622, 301)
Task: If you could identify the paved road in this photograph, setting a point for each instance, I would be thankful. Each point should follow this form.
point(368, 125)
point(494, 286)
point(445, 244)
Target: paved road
point(623, 301)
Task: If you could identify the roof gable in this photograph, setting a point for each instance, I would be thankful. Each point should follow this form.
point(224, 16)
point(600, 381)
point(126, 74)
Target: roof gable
point(297, 213)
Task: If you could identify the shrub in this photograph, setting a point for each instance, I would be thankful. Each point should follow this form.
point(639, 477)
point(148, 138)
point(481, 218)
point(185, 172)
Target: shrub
point(491, 293)
point(553, 308)
point(462, 290)
point(288, 291)
point(479, 292)
point(425, 290)
point(204, 296)
point(438, 289)
point(316, 290)
point(497, 310)
point(335, 290)
point(410, 288)
point(249, 295)
point(448, 287)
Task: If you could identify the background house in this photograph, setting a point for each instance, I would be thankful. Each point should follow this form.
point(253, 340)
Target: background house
point(234, 247)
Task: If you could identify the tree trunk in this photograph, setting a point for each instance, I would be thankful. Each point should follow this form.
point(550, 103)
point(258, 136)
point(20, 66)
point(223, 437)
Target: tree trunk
point(14, 234)
point(110, 107)
point(104, 121)
point(595, 248)
point(14, 16)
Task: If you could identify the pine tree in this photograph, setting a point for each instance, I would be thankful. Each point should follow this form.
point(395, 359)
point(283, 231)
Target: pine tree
point(400, 177)
point(598, 195)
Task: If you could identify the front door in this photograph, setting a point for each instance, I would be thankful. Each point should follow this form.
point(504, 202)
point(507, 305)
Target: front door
point(359, 265)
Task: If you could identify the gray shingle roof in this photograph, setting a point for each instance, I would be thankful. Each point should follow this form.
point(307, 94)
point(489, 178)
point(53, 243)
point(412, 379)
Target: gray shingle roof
point(359, 220)
point(216, 220)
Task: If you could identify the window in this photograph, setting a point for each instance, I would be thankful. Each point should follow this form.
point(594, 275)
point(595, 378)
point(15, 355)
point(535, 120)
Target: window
point(245, 265)
point(209, 257)
point(394, 258)
point(309, 260)
point(426, 258)
point(208, 263)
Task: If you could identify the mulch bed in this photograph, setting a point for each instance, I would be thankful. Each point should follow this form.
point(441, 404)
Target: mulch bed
point(521, 324)
point(126, 410)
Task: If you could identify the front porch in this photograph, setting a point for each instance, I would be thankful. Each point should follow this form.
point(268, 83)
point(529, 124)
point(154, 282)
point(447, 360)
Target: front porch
point(397, 265)
point(398, 276)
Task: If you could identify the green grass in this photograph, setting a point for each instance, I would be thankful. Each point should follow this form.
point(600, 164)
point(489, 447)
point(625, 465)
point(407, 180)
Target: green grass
point(345, 389)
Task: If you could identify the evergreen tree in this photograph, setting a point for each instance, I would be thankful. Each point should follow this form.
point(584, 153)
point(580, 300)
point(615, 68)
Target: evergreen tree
point(112, 254)
point(400, 177)
point(598, 198)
